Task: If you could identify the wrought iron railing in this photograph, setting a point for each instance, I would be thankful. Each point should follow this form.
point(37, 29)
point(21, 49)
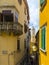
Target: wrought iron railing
point(14, 27)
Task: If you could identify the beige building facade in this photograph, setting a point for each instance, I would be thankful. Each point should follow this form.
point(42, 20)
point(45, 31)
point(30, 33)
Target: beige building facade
point(14, 20)
point(33, 40)
point(33, 35)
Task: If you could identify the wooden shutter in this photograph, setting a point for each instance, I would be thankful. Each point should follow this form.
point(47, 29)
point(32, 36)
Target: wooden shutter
point(43, 33)
point(42, 1)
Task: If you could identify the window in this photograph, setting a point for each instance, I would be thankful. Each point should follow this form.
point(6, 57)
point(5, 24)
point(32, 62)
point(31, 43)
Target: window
point(25, 11)
point(1, 17)
point(43, 38)
point(25, 43)
point(42, 4)
point(18, 44)
point(20, 2)
point(8, 17)
point(16, 16)
point(16, 19)
point(25, 27)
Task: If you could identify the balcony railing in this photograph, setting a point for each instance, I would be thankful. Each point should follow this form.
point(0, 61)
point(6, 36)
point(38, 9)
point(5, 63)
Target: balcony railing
point(11, 27)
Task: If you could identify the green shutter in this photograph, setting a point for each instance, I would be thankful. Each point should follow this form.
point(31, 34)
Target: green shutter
point(42, 1)
point(43, 31)
point(44, 37)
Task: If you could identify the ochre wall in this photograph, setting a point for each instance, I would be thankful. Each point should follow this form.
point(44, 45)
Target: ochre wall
point(9, 43)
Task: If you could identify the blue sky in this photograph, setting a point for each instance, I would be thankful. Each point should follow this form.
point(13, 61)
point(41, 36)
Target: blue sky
point(34, 13)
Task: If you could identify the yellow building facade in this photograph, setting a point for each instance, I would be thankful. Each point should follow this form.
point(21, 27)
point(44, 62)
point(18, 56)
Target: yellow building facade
point(14, 18)
point(44, 32)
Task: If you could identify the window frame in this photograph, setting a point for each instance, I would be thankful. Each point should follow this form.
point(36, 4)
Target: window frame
point(44, 50)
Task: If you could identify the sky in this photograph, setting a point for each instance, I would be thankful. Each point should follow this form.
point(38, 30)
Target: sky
point(34, 13)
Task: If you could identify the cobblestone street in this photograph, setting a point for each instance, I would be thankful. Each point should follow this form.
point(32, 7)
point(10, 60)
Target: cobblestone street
point(31, 59)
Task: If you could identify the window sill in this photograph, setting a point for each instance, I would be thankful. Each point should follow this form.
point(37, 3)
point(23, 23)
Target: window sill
point(44, 51)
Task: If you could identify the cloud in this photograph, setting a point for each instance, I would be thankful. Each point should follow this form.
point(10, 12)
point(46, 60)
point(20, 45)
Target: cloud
point(34, 13)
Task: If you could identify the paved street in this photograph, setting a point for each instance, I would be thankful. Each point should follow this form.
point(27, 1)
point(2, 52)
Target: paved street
point(31, 60)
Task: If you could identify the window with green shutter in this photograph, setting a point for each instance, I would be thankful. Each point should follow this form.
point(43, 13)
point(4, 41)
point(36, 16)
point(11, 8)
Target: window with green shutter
point(43, 38)
point(42, 4)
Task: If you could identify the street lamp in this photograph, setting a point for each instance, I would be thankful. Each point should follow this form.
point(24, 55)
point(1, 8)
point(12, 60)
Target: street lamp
point(34, 48)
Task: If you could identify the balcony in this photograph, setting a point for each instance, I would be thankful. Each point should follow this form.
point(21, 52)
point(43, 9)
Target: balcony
point(11, 27)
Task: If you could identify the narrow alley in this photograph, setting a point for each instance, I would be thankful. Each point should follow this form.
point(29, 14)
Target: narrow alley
point(24, 32)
